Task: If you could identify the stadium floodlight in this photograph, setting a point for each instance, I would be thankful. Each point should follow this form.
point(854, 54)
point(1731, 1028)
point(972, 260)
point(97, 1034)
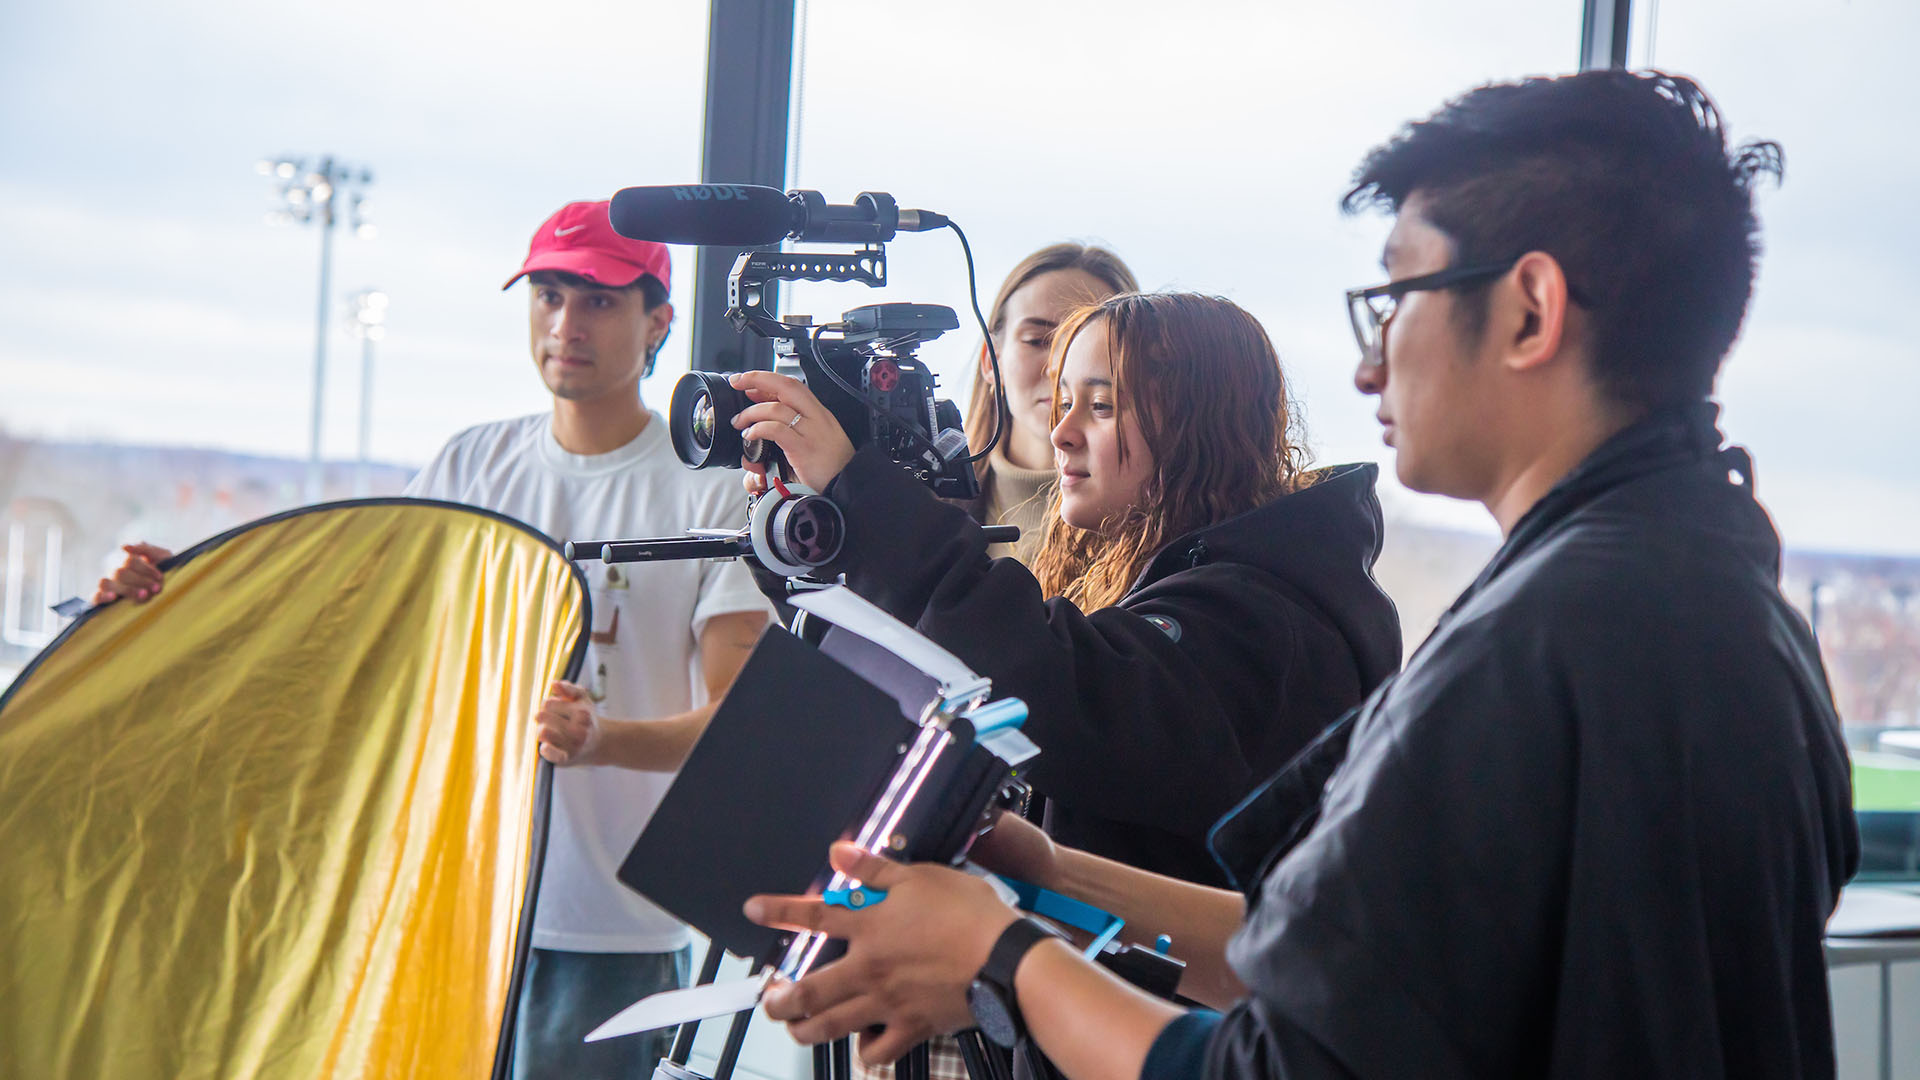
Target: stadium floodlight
point(308, 192)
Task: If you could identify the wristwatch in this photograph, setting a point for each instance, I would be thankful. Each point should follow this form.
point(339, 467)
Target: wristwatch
point(995, 1009)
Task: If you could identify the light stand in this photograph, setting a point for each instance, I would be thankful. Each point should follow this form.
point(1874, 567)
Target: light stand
point(366, 320)
point(310, 195)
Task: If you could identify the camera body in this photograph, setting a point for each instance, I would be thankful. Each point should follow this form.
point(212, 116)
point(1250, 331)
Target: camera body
point(896, 411)
point(863, 368)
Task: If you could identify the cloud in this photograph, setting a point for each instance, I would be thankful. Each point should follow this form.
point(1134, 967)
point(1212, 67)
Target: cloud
point(1206, 143)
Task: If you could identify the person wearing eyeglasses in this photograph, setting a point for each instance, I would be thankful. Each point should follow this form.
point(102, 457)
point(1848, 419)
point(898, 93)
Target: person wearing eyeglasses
point(1597, 824)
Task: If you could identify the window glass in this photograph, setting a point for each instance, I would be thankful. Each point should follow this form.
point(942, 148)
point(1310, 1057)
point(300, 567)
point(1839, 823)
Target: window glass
point(157, 335)
point(1823, 381)
point(1208, 145)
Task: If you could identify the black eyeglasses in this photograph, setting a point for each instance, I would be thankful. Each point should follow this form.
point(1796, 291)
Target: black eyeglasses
point(1371, 309)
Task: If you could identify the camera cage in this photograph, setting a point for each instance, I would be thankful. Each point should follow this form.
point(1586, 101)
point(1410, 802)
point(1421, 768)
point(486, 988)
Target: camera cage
point(791, 530)
point(880, 342)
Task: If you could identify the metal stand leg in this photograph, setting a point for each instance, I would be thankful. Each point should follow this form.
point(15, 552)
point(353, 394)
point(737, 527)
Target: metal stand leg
point(683, 1038)
point(984, 1061)
point(917, 1065)
point(736, 1037)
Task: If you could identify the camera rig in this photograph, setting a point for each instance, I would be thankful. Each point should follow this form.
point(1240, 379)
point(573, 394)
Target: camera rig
point(864, 368)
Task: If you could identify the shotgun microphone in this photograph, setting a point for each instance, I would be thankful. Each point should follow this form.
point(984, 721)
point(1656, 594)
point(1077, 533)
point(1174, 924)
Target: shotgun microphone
point(748, 215)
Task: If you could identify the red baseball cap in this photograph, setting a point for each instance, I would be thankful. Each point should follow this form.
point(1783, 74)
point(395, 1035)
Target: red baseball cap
point(578, 239)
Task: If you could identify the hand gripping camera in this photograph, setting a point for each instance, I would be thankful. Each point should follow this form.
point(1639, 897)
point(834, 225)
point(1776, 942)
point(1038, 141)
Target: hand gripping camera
point(863, 368)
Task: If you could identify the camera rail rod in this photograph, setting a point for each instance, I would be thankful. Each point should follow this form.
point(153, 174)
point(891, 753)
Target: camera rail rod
point(662, 550)
point(725, 546)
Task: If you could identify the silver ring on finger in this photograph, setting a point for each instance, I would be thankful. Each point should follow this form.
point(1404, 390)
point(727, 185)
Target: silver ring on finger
point(795, 422)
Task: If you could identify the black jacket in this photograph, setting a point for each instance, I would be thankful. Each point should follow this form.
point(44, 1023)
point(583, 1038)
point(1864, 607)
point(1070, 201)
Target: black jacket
point(1238, 644)
point(1594, 829)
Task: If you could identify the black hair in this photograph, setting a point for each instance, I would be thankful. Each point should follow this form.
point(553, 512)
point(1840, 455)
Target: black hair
point(1626, 179)
point(653, 293)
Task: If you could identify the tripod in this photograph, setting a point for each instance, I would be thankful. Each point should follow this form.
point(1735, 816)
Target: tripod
point(831, 1061)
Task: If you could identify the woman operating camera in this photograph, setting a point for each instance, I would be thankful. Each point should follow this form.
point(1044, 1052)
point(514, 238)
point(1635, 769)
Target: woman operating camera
point(1212, 604)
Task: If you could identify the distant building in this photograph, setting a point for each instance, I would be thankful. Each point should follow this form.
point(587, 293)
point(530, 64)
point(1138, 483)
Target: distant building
point(1865, 610)
point(65, 509)
point(69, 506)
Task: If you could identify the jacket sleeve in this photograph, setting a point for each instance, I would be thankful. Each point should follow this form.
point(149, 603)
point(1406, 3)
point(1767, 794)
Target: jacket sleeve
point(1250, 1042)
point(1137, 723)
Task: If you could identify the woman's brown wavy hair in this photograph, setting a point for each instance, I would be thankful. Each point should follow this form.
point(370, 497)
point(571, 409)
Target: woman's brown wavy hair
point(1099, 263)
point(1199, 380)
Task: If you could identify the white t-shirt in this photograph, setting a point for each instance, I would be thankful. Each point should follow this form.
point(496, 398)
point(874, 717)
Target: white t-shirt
point(642, 661)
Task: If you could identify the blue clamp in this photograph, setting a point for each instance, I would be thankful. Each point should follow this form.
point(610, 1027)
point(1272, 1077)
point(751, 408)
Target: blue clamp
point(994, 715)
point(1104, 926)
point(855, 898)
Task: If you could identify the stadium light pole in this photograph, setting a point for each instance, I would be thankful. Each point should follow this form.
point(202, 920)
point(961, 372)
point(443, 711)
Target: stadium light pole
point(367, 321)
point(310, 192)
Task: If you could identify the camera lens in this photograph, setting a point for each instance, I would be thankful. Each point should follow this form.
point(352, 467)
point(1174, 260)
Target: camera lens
point(700, 420)
point(703, 421)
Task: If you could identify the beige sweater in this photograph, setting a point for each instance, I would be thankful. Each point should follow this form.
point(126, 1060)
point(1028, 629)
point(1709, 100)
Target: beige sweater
point(1017, 496)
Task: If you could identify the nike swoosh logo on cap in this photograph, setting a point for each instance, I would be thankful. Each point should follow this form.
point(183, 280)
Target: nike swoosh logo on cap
point(565, 232)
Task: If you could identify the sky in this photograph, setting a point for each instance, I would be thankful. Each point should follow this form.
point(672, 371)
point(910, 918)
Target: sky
point(144, 298)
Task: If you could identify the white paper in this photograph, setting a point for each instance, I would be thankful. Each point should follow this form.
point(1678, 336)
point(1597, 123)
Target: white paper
point(1010, 745)
point(671, 1008)
point(1000, 888)
point(844, 608)
point(1865, 911)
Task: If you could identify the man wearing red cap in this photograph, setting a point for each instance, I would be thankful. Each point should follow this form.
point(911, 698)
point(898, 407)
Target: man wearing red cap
point(666, 641)
point(600, 464)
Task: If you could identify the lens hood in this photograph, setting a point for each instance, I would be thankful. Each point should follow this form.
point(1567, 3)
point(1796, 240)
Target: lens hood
point(700, 420)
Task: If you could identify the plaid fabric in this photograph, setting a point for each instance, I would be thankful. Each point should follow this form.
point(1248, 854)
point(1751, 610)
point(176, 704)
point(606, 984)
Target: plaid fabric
point(945, 1063)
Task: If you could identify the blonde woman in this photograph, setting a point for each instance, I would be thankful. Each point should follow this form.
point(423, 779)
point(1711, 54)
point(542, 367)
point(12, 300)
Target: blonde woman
point(1016, 479)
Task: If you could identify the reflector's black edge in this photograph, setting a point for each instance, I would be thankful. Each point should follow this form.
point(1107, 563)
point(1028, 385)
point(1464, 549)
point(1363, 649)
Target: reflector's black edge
point(543, 775)
point(204, 546)
point(523, 937)
point(537, 856)
point(21, 679)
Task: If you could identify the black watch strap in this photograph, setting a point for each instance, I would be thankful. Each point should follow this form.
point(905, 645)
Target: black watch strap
point(1021, 935)
point(995, 1009)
